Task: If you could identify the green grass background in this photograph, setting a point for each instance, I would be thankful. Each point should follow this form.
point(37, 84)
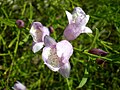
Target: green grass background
point(18, 62)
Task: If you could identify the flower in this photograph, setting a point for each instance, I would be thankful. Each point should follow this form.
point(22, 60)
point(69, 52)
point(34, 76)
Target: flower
point(20, 23)
point(77, 24)
point(56, 55)
point(98, 52)
point(19, 86)
point(38, 31)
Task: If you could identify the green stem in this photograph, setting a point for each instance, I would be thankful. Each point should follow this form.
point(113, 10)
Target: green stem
point(16, 47)
point(10, 69)
point(4, 54)
point(95, 38)
point(69, 88)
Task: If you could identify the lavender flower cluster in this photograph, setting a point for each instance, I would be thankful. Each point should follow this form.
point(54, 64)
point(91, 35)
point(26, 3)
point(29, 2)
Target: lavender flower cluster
point(56, 55)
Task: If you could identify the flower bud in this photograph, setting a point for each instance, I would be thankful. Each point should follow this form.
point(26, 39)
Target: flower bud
point(20, 23)
point(99, 61)
point(102, 62)
point(51, 29)
point(98, 52)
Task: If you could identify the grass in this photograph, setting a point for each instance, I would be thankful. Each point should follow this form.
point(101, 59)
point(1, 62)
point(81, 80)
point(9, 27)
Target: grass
point(18, 62)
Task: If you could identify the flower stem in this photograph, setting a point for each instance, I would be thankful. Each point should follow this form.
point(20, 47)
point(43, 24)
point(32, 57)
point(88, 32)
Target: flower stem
point(69, 88)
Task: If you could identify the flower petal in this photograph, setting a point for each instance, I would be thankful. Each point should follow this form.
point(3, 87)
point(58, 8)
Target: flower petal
point(37, 46)
point(78, 11)
point(45, 53)
point(65, 70)
point(19, 86)
point(82, 22)
point(78, 15)
point(72, 31)
point(36, 32)
point(64, 50)
point(69, 16)
point(52, 68)
point(85, 20)
point(45, 57)
point(48, 41)
point(86, 30)
point(45, 31)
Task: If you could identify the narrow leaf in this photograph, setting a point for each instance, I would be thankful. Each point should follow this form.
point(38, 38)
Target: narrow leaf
point(84, 79)
point(31, 11)
point(7, 21)
point(12, 42)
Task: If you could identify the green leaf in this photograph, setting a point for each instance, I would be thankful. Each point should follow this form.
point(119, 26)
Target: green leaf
point(4, 12)
point(96, 37)
point(31, 11)
point(12, 42)
point(24, 8)
point(84, 79)
point(17, 42)
point(24, 40)
point(3, 41)
point(7, 22)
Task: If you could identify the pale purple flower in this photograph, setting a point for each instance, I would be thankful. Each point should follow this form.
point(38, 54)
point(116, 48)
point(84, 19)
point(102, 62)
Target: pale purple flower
point(56, 55)
point(77, 24)
point(19, 86)
point(38, 31)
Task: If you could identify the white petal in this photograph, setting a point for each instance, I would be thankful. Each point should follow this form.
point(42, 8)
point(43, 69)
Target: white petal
point(64, 49)
point(69, 16)
point(19, 86)
point(45, 31)
point(65, 70)
point(37, 46)
point(33, 33)
point(87, 19)
point(45, 53)
point(36, 32)
point(86, 30)
point(52, 68)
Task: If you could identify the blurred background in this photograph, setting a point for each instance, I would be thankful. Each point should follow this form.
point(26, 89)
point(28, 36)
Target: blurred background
point(88, 71)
